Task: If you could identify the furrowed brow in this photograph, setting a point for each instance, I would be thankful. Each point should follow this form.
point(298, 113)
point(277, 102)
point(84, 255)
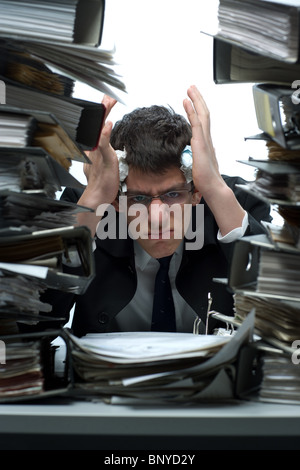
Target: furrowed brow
point(176, 187)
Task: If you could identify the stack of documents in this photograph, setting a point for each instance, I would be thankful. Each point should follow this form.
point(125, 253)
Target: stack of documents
point(27, 129)
point(20, 299)
point(233, 63)
point(267, 27)
point(30, 213)
point(33, 170)
point(275, 320)
point(15, 131)
point(20, 370)
point(66, 21)
point(163, 367)
point(281, 377)
point(81, 119)
point(279, 272)
point(277, 182)
point(92, 66)
point(44, 254)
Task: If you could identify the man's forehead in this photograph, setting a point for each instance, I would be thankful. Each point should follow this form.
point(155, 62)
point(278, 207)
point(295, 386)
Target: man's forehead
point(155, 189)
point(153, 183)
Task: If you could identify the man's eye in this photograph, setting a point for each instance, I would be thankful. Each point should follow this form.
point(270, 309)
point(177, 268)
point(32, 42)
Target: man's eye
point(139, 198)
point(172, 194)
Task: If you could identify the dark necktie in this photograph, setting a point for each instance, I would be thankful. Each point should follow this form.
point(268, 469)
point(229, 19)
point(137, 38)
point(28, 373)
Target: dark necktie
point(163, 315)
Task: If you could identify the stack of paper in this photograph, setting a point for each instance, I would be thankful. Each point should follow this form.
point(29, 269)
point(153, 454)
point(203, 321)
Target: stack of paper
point(277, 181)
point(179, 367)
point(274, 319)
point(266, 27)
point(81, 119)
point(45, 253)
point(21, 371)
point(33, 170)
point(27, 128)
point(31, 213)
point(92, 66)
point(279, 272)
point(281, 378)
point(15, 131)
point(67, 21)
point(20, 297)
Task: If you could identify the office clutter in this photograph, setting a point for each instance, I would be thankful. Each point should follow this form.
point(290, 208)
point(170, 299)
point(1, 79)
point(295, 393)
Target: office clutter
point(43, 129)
point(257, 42)
point(159, 368)
point(267, 27)
point(44, 48)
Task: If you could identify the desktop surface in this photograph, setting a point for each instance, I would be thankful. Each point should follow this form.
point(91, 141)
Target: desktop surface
point(79, 424)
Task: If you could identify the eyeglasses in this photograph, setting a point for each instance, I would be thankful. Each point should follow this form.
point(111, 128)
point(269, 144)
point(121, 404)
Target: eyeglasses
point(175, 196)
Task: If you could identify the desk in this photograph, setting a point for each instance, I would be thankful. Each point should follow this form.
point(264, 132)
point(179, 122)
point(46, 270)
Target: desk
point(83, 425)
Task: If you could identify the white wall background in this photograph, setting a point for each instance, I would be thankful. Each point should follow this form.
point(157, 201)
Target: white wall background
point(161, 52)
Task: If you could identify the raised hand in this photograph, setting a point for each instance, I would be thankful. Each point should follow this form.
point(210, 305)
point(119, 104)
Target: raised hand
point(206, 176)
point(103, 173)
point(205, 166)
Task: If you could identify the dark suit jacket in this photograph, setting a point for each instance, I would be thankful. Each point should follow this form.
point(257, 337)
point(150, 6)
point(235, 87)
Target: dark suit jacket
point(114, 284)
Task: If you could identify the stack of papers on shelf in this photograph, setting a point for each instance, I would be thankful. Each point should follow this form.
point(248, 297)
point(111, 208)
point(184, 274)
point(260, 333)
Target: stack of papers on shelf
point(82, 120)
point(26, 367)
point(26, 128)
point(279, 272)
point(46, 254)
point(15, 131)
point(286, 236)
point(277, 182)
point(20, 298)
point(281, 378)
point(18, 65)
point(29, 212)
point(234, 64)
point(21, 375)
point(54, 68)
point(260, 269)
point(275, 320)
point(33, 170)
point(265, 26)
point(66, 21)
point(175, 367)
point(85, 64)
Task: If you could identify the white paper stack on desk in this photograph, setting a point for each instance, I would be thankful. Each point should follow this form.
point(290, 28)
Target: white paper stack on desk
point(161, 367)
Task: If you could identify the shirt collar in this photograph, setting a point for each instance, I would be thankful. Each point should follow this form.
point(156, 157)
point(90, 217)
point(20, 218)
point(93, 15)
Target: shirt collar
point(143, 259)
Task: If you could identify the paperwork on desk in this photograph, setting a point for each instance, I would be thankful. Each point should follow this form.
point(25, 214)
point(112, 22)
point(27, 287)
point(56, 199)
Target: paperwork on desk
point(280, 378)
point(157, 366)
point(21, 373)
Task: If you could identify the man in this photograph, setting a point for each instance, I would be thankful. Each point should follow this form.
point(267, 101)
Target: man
point(152, 142)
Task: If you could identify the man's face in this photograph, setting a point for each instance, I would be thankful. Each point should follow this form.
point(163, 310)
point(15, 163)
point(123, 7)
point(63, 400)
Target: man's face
point(160, 226)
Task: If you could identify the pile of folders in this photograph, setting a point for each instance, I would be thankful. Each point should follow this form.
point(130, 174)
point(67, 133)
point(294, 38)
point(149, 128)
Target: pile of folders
point(43, 129)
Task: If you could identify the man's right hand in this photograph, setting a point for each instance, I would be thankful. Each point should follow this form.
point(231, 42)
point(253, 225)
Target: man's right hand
point(102, 173)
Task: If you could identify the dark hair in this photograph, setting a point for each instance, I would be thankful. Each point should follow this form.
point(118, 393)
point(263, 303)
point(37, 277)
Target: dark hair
point(153, 138)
